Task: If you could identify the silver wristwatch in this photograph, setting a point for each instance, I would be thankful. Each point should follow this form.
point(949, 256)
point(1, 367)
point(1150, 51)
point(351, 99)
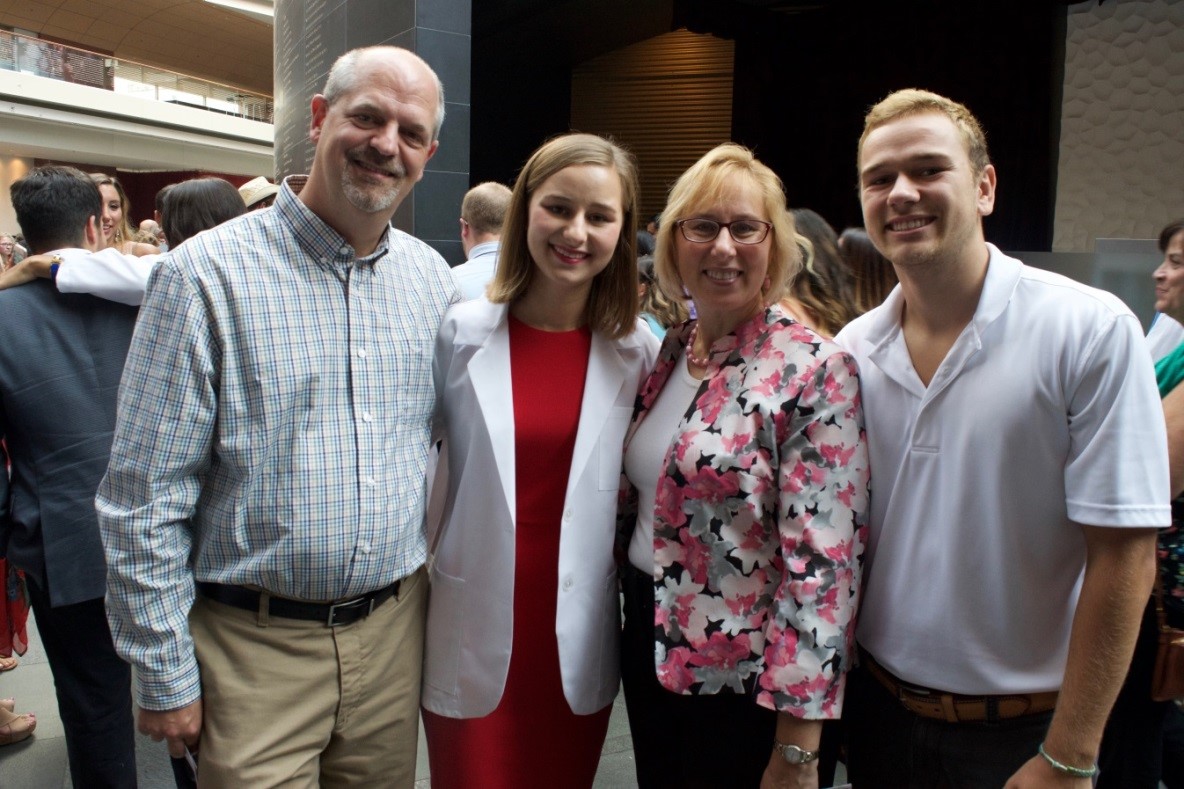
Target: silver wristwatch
point(793, 754)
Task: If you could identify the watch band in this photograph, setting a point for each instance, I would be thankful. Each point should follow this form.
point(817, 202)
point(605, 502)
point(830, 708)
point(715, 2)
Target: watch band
point(55, 264)
point(794, 754)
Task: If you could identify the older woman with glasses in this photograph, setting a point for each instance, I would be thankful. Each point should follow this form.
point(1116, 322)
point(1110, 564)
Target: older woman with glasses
point(7, 249)
point(744, 515)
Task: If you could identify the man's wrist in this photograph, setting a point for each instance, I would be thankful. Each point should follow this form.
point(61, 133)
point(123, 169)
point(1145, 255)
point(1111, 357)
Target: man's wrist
point(1068, 769)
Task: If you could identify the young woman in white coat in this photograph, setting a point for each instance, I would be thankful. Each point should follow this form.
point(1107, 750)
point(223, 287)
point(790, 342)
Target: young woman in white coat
point(536, 384)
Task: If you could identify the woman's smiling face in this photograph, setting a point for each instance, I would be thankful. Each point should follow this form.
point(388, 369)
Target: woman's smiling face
point(1169, 279)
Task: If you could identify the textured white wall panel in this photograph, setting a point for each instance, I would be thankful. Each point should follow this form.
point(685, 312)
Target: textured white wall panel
point(1121, 170)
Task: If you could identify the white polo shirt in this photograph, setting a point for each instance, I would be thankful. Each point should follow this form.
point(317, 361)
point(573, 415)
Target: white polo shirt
point(1045, 411)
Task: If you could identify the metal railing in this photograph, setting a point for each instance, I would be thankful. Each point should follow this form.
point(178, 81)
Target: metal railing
point(70, 64)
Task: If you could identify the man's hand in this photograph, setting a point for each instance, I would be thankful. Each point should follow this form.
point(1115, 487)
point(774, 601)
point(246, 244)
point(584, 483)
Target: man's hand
point(1037, 772)
point(27, 270)
point(179, 727)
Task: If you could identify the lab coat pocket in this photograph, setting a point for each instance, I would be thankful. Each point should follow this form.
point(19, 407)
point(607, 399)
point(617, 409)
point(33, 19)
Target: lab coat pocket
point(446, 607)
point(612, 441)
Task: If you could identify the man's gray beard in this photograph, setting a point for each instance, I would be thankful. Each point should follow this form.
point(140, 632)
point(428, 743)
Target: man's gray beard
point(370, 202)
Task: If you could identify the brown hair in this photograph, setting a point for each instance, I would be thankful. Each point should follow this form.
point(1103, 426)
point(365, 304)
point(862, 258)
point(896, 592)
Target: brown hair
point(873, 275)
point(824, 285)
point(612, 304)
point(912, 101)
point(704, 184)
point(1165, 235)
point(666, 311)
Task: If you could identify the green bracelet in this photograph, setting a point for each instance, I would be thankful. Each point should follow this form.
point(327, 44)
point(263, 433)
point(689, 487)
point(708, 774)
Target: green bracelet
point(1076, 772)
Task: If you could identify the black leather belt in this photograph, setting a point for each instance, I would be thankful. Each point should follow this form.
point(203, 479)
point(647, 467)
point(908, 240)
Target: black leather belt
point(332, 614)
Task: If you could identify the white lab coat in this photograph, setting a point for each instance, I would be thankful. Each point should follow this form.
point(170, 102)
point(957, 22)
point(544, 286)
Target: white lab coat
point(470, 612)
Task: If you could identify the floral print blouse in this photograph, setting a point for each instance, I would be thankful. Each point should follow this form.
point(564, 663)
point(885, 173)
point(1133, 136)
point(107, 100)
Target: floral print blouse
point(761, 519)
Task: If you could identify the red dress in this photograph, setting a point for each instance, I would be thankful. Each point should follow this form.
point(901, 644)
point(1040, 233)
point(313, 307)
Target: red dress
point(532, 738)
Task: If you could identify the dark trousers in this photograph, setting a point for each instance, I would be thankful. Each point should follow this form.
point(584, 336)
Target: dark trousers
point(888, 746)
point(1132, 744)
point(1173, 749)
point(94, 690)
point(714, 741)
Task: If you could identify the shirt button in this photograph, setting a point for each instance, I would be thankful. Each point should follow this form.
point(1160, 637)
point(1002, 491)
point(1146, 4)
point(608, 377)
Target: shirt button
point(567, 514)
point(366, 417)
point(364, 546)
point(361, 353)
point(371, 481)
point(567, 584)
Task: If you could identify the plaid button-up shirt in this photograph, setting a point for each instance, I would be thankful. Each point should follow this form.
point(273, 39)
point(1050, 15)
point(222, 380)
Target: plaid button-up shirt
point(274, 425)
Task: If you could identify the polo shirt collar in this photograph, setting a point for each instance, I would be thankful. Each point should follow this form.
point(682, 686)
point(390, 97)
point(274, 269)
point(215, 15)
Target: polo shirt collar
point(1003, 274)
point(885, 335)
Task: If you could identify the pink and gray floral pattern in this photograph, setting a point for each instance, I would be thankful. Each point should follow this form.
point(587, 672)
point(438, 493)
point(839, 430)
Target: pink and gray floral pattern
point(760, 521)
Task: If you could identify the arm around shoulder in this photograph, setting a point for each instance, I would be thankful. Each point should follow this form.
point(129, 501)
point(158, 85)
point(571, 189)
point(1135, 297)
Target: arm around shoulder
point(108, 274)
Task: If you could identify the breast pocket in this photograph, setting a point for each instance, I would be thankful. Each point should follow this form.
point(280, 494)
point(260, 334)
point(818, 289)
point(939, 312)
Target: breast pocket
point(612, 441)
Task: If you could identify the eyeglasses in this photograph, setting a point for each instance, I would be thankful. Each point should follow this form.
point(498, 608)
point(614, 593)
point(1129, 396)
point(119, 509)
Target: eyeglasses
point(742, 231)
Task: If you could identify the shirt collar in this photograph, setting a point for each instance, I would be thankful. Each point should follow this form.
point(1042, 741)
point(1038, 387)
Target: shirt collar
point(483, 248)
point(313, 234)
point(1003, 273)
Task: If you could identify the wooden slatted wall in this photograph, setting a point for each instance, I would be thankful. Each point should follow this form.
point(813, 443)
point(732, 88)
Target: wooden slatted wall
point(668, 99)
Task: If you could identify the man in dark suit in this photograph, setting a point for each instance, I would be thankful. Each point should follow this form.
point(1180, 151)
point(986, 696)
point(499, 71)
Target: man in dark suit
point(60, 363)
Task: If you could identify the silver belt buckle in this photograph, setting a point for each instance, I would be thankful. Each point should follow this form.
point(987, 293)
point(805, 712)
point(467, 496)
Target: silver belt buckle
point(333, 610)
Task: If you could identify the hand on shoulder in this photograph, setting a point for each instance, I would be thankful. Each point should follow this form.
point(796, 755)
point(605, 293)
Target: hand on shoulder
point(27, 270)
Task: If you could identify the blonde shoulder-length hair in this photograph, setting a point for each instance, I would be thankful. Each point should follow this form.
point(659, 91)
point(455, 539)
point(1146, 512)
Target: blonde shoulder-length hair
point(613, 304)
point(705, 184)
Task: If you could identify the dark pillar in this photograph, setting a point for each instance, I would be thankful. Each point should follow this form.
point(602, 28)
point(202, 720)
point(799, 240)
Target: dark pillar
point(311, 34)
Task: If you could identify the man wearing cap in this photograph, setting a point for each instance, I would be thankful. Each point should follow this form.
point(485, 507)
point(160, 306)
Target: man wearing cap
point(263, 509)
point(258, 193)
point(1020, 463)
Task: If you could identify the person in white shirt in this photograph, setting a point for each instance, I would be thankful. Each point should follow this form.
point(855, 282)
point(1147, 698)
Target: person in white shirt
point(195, 205)
point(1019, 466)
point(1164, 335)
point(482, 213)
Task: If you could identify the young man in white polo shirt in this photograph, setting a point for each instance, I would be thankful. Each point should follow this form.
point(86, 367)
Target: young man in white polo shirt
point(1019, 473)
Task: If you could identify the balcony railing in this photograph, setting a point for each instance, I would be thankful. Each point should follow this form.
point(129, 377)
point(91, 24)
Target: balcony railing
point(70, 64)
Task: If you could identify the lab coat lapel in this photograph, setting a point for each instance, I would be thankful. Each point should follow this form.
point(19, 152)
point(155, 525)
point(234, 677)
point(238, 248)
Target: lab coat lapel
point(606, 374)
point(489, 370)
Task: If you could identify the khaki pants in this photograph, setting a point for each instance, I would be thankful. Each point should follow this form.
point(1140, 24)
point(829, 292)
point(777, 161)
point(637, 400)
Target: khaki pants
point(295, 703)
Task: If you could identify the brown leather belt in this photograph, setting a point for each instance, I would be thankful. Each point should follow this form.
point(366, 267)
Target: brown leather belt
point(956, 708)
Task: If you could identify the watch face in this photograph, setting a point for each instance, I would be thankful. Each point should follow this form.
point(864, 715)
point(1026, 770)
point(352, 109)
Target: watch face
point(795, 755)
